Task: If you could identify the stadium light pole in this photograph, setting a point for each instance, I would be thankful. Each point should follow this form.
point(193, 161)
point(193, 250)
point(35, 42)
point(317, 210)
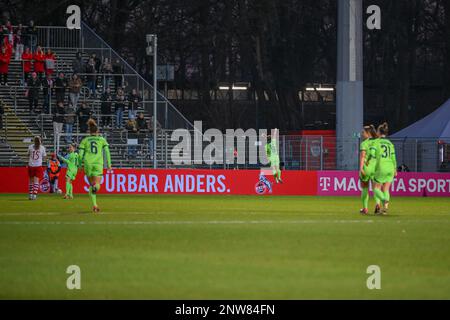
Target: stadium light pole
point(152, 49)
point(349, 86)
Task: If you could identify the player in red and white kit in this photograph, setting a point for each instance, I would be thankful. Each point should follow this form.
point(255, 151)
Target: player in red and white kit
point(36, 155)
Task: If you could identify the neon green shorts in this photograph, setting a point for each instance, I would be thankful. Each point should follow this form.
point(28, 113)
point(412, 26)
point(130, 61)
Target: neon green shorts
point(369, 173)
point(274, 163)
point(384, 175)
point(93, 169)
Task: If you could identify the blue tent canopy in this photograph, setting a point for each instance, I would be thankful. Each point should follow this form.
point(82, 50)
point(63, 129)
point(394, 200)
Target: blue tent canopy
point(434, 125)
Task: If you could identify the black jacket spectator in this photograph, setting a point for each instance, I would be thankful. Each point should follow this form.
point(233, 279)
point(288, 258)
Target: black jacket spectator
point(33, 87)
point(58, 115)
point(90, 69)
point(47, 86)
point(78, 64)
point(117, 69)
point(84, 114)
point(106, 108)
point(141, 123)
point(60, 86)
point(97, 62)
point(134, 101)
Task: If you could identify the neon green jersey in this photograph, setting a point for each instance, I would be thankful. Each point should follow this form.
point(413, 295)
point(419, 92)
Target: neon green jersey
point(272, 148)
point(369, 146)
point(91, 150)
point(71, 161)
point(385, 153)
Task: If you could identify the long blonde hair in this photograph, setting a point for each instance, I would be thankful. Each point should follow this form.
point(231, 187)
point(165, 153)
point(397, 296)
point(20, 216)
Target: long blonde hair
point(93, 128)
point(37, 142)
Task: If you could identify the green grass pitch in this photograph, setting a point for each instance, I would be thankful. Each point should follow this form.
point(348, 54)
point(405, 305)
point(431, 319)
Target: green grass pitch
point(223, 247)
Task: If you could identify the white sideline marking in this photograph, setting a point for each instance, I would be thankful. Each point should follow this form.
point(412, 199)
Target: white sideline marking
point(167, 222)
point(192, 222)
point(75, 214)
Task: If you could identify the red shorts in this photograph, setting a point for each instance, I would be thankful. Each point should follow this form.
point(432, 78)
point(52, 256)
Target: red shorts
point(35, 172)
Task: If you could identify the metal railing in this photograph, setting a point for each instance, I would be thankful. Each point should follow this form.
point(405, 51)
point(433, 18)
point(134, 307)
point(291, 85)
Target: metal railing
point(296, 152)
point(58, 37)
point(174, 119)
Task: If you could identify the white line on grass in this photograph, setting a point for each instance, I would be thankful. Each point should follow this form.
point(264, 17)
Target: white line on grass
point(217, 222)
point(182, 222)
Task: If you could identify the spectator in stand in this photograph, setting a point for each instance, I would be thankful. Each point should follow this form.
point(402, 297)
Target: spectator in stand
point(4, 32)
point(78, 64)
point(119, 108)
point(106, 108)
point(60, 87)
point(141, 125)
point(31, 36)
point(69, 120)
point(84, 114)
point(5, 59)
point(97, 62)
point(27, 61)
point(39, 61)
point(141, 122)
point(133, 104)
point(47, 86)
point(106, 70)
point(50, 61)
point(8, 45)
point(10, 33)
point(132, 134)
point(75, 85)
point(97, 66)
point(58, 121)
point(91, 76)
point(18, 41)
point(118, 74)
point(32, 92)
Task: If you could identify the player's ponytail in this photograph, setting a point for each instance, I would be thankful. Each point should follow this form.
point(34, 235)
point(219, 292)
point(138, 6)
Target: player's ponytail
point(37, 142)
point(370, 130)
point(93, 128)
point(383, 129)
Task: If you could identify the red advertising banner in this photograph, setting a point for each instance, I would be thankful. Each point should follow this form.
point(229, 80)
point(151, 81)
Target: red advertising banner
point(182, 181)
point(244, 182)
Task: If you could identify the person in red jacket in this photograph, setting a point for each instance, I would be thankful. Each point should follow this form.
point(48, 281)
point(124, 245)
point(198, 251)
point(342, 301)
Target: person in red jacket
point(50, 60)
point(39, 60)
point(5, 58)
point(27, 62)
point(8, 46)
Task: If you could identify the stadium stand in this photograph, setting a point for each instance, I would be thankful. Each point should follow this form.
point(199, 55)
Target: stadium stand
point(20, 124)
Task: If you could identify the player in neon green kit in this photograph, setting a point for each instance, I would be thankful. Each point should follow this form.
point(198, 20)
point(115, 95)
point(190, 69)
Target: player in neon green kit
point(72, 169)
point(91, 155)
point(367, 164)
point(386, 167)
point(273, 156)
